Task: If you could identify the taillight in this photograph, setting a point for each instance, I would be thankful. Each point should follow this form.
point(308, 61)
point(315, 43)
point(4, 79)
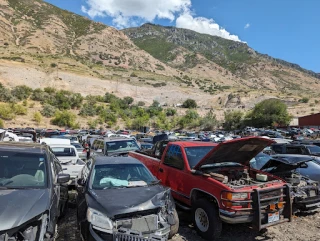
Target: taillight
point(84, 150)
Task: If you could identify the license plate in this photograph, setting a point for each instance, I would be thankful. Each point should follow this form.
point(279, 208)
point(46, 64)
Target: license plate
point(273, 217)
point(312, 193)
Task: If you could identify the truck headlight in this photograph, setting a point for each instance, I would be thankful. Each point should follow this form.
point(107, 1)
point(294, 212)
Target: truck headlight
point(234, 196)
point(98, 219)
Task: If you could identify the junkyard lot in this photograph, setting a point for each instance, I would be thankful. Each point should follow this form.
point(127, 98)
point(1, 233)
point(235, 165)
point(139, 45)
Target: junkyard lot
point(304, 227)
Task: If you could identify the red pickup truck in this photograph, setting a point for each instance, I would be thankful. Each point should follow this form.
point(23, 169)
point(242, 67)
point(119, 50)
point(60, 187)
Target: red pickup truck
point(218, 185)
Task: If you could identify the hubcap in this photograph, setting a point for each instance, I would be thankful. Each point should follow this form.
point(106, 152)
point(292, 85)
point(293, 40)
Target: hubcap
point(202, 220)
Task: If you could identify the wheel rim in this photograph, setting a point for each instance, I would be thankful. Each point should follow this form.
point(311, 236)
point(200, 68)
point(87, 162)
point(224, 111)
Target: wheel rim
point(202, 220)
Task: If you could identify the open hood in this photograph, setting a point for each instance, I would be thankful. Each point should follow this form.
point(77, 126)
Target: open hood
point(287, 162)
point(239, 151)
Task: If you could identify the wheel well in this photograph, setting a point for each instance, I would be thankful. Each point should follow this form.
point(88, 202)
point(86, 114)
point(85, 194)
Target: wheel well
point(198, 194)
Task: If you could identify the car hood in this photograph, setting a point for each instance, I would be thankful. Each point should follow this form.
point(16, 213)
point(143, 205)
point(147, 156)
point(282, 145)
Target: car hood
point(238, 150)
point(19, 206)
point(286, 162)
point(114, 202)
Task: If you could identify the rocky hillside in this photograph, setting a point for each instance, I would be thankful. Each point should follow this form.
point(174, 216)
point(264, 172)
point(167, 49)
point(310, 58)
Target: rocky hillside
point(188, 50)
point(31, 30)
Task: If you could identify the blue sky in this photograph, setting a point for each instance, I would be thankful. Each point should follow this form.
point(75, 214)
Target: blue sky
point(285, 29)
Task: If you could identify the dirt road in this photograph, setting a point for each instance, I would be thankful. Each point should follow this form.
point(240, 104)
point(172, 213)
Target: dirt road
point(303, 228)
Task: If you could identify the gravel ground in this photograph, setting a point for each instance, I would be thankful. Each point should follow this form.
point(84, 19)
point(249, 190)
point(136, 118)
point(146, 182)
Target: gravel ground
point(304, 227)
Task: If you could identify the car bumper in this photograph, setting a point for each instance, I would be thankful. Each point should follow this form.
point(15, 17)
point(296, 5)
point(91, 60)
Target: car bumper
point(307, 203)
point(97, 235)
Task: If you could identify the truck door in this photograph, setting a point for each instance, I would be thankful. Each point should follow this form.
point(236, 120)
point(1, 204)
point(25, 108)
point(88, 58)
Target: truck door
point(171, 171)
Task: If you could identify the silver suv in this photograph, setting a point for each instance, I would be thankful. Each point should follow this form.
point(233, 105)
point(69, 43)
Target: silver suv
point(113, 146)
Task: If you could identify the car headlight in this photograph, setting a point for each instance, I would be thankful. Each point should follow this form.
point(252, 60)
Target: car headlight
point(98, 219)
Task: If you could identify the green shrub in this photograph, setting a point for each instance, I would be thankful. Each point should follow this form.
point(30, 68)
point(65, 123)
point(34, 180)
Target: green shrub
point(5, 95)
point(64, 119)
point(6, 112)
point(37, 117)
point(88, 109)
point(48, 110)
point(19, 109)
point(21, 92)
point(171, 112)
point(133, 74)
point(304, 100)
point(141, 103)
point(190, 104)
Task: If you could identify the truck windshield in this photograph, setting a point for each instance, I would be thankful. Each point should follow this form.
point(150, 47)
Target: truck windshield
point(195, 154)
point(120, 176)
point(122, 146)
point(22, 170)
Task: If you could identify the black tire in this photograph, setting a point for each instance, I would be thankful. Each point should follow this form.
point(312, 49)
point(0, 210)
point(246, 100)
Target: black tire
point(212, 227)
point(174, 228)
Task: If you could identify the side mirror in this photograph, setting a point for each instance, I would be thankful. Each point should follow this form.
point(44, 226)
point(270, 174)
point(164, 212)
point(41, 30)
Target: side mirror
point(81, 182)
point(63, 178)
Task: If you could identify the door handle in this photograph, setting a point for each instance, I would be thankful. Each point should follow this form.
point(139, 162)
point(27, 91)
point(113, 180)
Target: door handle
point(160, 170)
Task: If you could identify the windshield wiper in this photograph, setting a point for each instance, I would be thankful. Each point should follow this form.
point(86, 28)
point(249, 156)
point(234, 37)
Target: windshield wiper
point(154, 182)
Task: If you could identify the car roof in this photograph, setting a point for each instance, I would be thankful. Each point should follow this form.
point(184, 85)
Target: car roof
point(117, 138)
point(23, 147)
point(192, 143)
point(105, 160)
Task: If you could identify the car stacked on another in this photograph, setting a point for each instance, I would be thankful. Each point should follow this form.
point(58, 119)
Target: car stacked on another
point(33, 193)
point(119, 199)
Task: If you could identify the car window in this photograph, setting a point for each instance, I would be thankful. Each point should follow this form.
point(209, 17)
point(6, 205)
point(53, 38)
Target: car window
point(63, 151)
point(120, 175)
point(78, 146)
point(22, 170)
point(174, 157)
point(195, 154)
point(277, 149)
point(314, 149)
point(259, 161)
point(294, 150)
point(122, 146)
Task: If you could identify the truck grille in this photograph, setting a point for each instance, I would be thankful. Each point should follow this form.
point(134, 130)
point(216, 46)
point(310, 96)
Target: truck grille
point(270, 197)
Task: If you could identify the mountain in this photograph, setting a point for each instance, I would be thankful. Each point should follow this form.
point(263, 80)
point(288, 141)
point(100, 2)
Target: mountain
point(186, 49)
point(42, 45)
point(32, 30)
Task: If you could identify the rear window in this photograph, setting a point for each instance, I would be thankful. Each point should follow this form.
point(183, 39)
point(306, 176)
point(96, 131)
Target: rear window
point(78, 146)
point(63, 151)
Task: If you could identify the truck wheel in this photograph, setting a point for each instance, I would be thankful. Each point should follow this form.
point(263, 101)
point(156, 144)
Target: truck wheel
point(206, 219)
point(174, 228)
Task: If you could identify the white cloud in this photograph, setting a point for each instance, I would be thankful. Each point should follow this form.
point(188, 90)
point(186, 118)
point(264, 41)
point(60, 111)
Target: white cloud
point(247, 26)
point(123, 11)
point(203, 25)
point(129, 13)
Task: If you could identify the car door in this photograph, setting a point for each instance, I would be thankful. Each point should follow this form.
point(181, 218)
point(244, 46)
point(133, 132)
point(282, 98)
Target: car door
point(171, 171)
point(81, 192)
point(64, 196)
point(55, 193)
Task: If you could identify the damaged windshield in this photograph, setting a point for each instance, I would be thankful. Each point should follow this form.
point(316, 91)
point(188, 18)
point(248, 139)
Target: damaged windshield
point(120, 175)
point(22, 170)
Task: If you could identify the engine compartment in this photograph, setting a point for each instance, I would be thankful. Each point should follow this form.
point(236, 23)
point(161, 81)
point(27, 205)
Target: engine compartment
point(239, 177)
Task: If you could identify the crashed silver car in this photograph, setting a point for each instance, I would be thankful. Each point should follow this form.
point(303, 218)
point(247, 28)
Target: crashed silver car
point(32, 192)
point(297, 170)
point(119, 199)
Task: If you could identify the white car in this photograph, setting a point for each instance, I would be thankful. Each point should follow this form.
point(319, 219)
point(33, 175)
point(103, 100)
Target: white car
point(69, 159)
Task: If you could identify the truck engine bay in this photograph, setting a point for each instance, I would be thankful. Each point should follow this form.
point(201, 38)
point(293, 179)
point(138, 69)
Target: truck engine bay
point(240, 177)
